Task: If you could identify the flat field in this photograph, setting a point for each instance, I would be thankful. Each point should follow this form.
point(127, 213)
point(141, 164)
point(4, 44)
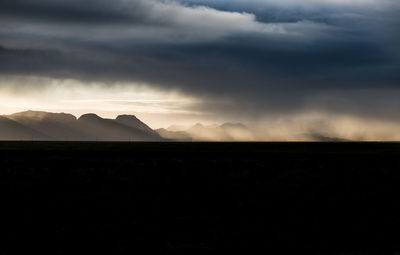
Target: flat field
point(199, 198)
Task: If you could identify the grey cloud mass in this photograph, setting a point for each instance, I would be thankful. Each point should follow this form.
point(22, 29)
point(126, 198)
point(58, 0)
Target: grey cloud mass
point(265, 56)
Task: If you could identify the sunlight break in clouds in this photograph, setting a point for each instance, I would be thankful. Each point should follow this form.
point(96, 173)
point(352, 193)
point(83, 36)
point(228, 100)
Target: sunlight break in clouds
point(78, 98)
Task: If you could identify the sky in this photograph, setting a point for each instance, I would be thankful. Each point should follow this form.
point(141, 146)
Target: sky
point(279, 64)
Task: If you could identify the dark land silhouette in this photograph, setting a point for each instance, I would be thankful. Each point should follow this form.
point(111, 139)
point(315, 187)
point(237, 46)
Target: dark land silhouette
point(46, 126)
point(199, 198)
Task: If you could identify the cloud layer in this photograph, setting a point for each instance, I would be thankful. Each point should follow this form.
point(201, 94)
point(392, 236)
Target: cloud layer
point(262, 57)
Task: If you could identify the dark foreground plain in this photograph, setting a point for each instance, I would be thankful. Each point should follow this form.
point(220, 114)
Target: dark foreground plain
point(199, 198)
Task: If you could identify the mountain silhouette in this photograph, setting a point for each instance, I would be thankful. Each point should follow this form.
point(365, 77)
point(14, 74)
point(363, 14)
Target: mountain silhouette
point(56, 126)
point(38, 125)
point(133, 122)
point(48, 126)
point(116, 130)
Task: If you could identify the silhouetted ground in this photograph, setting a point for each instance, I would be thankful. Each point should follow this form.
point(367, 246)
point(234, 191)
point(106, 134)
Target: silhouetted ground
point(191, 198)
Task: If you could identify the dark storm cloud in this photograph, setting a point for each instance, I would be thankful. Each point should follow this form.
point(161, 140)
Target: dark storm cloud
point(97, 12)
point(272, 56)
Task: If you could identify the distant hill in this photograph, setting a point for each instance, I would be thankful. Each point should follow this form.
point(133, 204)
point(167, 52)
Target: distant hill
point(38, 125)
point(325, 138)
point(199, 132)
point(174, 135)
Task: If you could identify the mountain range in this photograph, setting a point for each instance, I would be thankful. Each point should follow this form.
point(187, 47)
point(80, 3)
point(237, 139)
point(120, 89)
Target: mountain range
point(46, 126)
